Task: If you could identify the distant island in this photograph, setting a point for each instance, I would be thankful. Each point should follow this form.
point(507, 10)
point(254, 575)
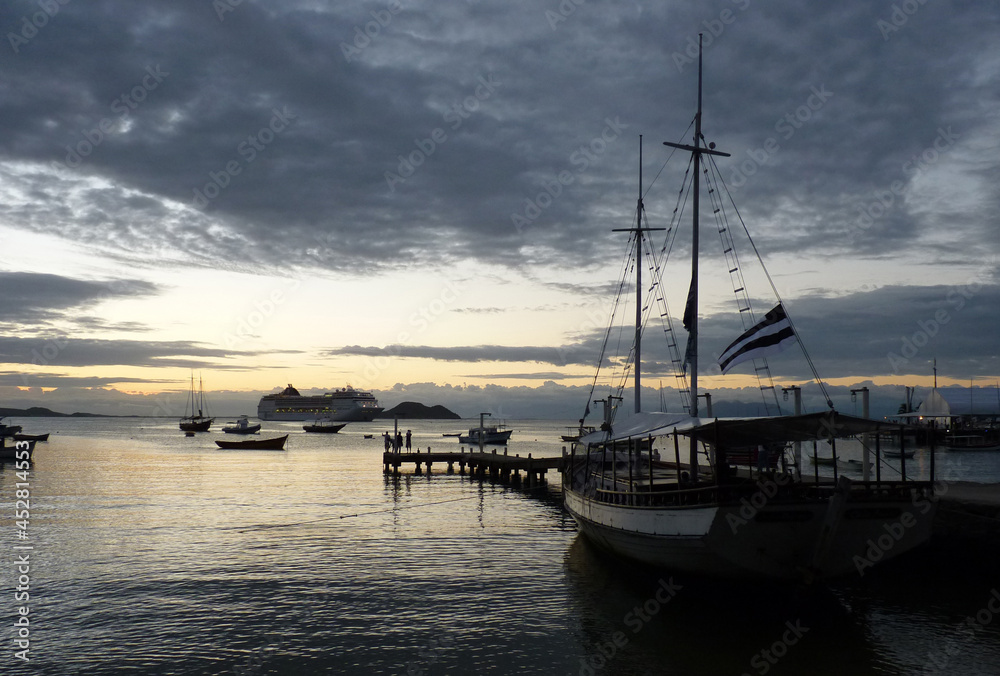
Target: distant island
point(411, 410)
point(40, 412)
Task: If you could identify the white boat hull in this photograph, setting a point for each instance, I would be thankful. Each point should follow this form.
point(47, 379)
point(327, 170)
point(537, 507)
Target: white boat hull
point(346, 414)
point(736, 541)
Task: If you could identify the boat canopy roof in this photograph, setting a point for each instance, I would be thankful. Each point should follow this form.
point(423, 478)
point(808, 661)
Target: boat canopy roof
point(741, 431)
point(951, 402)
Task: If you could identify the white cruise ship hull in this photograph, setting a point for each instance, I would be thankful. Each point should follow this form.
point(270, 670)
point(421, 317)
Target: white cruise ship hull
point(343, 405)
point(781, 542)
point(339, 414)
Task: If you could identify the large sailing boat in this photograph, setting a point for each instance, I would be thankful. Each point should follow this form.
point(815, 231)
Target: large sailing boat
point(746, 513)
point(196, 422)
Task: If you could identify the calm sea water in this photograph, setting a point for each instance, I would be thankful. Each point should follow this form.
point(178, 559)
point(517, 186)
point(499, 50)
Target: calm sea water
point(153, 553)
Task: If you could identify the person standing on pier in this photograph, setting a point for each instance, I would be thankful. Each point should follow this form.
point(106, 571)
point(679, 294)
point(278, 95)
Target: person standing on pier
point(385, 438)
point(407, 440)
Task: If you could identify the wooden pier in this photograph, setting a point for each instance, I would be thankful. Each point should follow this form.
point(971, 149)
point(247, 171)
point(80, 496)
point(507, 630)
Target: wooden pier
point(487, 465)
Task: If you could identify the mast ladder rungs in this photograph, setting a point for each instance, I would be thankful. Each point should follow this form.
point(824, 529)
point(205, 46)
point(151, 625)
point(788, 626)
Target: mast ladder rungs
point(744, 309)
point(728, 250)
point(732, 270)
point(738, 290)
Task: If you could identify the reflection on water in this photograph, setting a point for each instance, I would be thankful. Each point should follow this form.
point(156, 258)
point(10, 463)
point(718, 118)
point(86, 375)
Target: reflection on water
point(158, 554)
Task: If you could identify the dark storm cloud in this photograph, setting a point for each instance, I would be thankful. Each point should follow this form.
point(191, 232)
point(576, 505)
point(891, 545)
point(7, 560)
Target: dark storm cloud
point(473, 353)
point(14, 379)
point(34, 298)
point(285, 124)
point(61, 351)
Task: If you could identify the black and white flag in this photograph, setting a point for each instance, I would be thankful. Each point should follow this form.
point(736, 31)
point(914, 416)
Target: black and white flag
point(768, 336)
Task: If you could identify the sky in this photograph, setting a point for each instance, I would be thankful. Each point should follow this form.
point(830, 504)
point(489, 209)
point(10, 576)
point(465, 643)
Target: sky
point(418, 198)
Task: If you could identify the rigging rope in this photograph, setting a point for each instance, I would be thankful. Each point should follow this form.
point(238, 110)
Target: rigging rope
point(774, 288)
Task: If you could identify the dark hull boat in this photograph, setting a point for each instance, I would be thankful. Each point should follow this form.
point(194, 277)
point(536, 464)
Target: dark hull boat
point(16, 452)
point(9, 430)
point(31, 437)
point(196, 422)
point(324, 426)
point(275, 444)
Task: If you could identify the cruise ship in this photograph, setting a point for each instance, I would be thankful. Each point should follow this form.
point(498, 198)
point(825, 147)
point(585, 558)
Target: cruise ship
point(347, 404)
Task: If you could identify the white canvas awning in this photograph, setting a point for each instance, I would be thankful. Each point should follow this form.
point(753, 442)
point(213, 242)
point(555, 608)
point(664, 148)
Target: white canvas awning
point(950, 402)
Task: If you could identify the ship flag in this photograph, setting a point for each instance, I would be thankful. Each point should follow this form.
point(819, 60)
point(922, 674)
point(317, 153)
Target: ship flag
point(769, 336)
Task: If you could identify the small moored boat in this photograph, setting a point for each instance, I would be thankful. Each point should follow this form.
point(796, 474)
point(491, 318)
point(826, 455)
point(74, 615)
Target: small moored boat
point(16, 452)
point(971, 442)
point(241, 426)
point(31, 437)
point(275, 444)
point(324, 426)
point(8, 430)
point(840, 462)
point(493, 435)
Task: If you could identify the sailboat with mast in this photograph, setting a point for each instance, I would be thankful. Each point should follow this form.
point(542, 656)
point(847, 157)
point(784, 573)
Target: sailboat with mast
point(746, 512)
point(196, 422)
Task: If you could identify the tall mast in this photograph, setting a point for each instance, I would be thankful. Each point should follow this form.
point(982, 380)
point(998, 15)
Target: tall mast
point(638, 289)
point(692, 304)
point(695, 244)
point(638, 230)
